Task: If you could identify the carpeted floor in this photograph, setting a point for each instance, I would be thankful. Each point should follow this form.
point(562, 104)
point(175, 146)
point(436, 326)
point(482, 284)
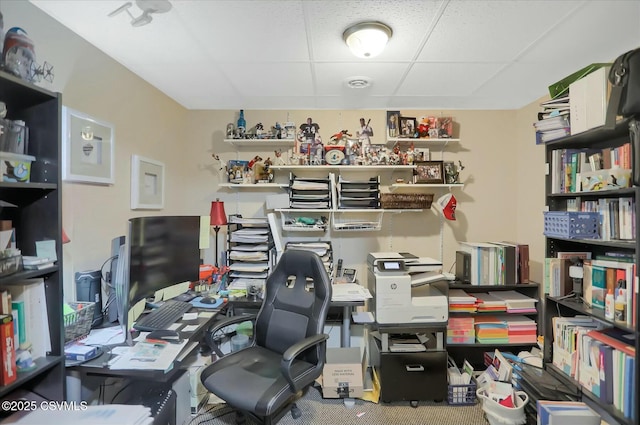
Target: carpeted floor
point(319, 411)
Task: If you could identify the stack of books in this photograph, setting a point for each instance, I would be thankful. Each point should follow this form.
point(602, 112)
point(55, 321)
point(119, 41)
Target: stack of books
point(553, 122)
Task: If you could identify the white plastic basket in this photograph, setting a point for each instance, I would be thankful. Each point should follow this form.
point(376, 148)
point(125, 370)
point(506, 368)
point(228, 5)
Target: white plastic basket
point(498, 414)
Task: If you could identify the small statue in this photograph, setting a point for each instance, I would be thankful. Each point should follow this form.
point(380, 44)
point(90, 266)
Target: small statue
point(279, 159)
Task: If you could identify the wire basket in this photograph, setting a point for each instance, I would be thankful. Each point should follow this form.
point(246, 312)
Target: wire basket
point(462, 394)
point(406, 201)
point(77, 324)
point(571, 224)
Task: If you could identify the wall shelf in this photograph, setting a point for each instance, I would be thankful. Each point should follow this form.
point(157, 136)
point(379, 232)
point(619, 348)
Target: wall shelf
point(253, 185)
point(343, 168)
point(396, 186)
point(261, 142)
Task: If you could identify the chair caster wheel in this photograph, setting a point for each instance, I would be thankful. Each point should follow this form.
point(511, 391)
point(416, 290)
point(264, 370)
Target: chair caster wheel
point(241, 419)
point(295, 412)
point(413, 403)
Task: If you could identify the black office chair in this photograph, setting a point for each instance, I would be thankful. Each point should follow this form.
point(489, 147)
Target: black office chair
point(288, 348)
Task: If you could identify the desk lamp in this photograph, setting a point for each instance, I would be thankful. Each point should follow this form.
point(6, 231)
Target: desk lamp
point(218, 218)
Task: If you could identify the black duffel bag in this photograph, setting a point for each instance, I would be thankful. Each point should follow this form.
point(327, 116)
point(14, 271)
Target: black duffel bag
point(624, 77)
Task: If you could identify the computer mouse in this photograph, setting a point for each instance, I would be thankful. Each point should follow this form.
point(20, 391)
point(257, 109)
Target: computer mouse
point(208, 300)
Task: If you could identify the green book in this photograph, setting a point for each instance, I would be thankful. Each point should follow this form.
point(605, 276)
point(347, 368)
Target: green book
point(598, 286)
point(22, 329)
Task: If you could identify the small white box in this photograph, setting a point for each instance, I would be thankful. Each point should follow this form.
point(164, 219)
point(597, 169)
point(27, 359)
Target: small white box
point(15, 167)
point(198, 393)
point(343, 373)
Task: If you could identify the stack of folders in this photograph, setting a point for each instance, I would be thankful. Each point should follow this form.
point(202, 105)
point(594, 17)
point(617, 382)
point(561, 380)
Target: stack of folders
point(553, 122)
point(566, 413)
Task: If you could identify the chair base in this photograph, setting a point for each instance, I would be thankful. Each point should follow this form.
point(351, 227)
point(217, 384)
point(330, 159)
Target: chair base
point(241, 415)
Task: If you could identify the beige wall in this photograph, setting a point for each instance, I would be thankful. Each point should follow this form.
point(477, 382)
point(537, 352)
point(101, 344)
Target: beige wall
point(501, 200)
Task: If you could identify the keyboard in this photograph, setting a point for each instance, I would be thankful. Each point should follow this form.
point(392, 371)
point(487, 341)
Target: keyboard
point(163, 317)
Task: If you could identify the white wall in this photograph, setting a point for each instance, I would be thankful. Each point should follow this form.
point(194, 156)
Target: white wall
point(500, 200)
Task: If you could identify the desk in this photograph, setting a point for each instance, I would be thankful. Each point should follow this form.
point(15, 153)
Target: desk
point(240, 305)
point(99, 365)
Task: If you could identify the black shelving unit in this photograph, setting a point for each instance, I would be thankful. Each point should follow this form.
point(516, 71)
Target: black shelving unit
point(474, 353)
point(38, 217)
point(597, 138)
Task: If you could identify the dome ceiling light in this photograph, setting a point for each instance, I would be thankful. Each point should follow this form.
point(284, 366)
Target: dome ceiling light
point(367, 39)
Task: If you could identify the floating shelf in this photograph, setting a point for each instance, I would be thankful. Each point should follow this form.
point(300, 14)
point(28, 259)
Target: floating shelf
point(344, 167)
point(261, 142)
point(420, 141)
point(253, 185)
point(396, 186)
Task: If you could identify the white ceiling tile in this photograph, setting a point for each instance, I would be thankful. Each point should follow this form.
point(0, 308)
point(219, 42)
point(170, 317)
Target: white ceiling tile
point(440, 79)
point(331, 78)
point(490, 31)
point(270, 79)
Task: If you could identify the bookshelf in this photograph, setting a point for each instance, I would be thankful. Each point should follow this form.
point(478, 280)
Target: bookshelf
point(568, 158)
point(36, 217)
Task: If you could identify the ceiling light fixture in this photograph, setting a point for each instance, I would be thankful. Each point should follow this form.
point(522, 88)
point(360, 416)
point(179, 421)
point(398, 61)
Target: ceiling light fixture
point(367, 39)
point(148, 7)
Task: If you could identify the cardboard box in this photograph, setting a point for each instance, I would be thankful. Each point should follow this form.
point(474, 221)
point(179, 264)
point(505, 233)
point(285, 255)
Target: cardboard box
point(15, 167)
point(343, 373)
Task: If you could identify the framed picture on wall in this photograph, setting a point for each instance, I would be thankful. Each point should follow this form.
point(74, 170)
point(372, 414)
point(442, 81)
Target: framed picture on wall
point(393, 124)
point(429, 172)
point(87, 148)
point(147, 184)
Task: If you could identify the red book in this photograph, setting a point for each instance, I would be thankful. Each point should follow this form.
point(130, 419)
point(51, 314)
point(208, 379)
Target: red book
point(7, 351)
point(616, 338)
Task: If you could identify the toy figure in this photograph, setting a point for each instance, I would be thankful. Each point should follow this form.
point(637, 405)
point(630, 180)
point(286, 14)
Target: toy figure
point(279, 159)
point(308, 131)
point(365, 133)
point(277, 130)
point(255, 159)
point(230, 131)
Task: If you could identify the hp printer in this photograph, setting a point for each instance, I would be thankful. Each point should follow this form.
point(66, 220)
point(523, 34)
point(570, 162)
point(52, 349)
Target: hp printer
point(404, 290)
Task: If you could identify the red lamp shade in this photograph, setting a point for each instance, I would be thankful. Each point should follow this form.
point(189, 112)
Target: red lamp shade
point(218, 216)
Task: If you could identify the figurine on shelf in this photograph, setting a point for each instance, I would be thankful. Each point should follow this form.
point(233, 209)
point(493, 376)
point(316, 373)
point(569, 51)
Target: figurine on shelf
point(309, 131)
point(279, 159)
point(255, 159)
point(277, 131)
point(230, 131)
point(259, 130)
point(365, 133)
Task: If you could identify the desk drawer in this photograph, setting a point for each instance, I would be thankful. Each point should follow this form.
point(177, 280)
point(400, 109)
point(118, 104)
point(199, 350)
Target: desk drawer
point(413, 376)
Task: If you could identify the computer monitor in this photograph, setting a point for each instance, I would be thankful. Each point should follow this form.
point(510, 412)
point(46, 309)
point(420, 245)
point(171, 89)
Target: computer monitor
point(160, 252)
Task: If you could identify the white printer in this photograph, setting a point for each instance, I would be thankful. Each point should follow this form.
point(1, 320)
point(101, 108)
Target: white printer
point(404, 289)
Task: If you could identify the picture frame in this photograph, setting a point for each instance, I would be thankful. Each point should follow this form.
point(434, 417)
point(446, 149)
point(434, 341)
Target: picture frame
point(147, 183)
point(88, 148)
point(429, 172)
point(393, 124)
point(451, 173)
point(408, 126)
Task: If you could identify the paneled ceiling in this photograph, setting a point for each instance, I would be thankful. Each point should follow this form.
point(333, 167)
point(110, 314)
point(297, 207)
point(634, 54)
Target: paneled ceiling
point(289, 54)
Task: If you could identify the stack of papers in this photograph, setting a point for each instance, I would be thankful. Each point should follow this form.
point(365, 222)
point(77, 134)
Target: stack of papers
point(349, 292)
point(149, 356)
point(515, 301)
point(489, 303)
point(460, 301)
point(491, 330)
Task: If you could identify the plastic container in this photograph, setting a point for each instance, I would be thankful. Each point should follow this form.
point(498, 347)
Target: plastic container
point(571, 224)
point(238, 342)
point(498, 414)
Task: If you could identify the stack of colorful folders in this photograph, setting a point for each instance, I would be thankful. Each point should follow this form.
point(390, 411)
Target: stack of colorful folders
point(522, 330)
point(491, 330)
point(460, 330)
point(489, 304)
point(461, 302)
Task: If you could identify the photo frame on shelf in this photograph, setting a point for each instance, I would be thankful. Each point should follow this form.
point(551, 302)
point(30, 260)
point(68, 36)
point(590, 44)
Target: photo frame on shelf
point(393, 124)
point(88, 150)
point(147, 183)
point(408, 127)
point(451, 173)
point(429, 172)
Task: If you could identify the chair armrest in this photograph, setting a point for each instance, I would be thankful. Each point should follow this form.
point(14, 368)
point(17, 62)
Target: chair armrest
point(221, 324)
point(294, 351)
